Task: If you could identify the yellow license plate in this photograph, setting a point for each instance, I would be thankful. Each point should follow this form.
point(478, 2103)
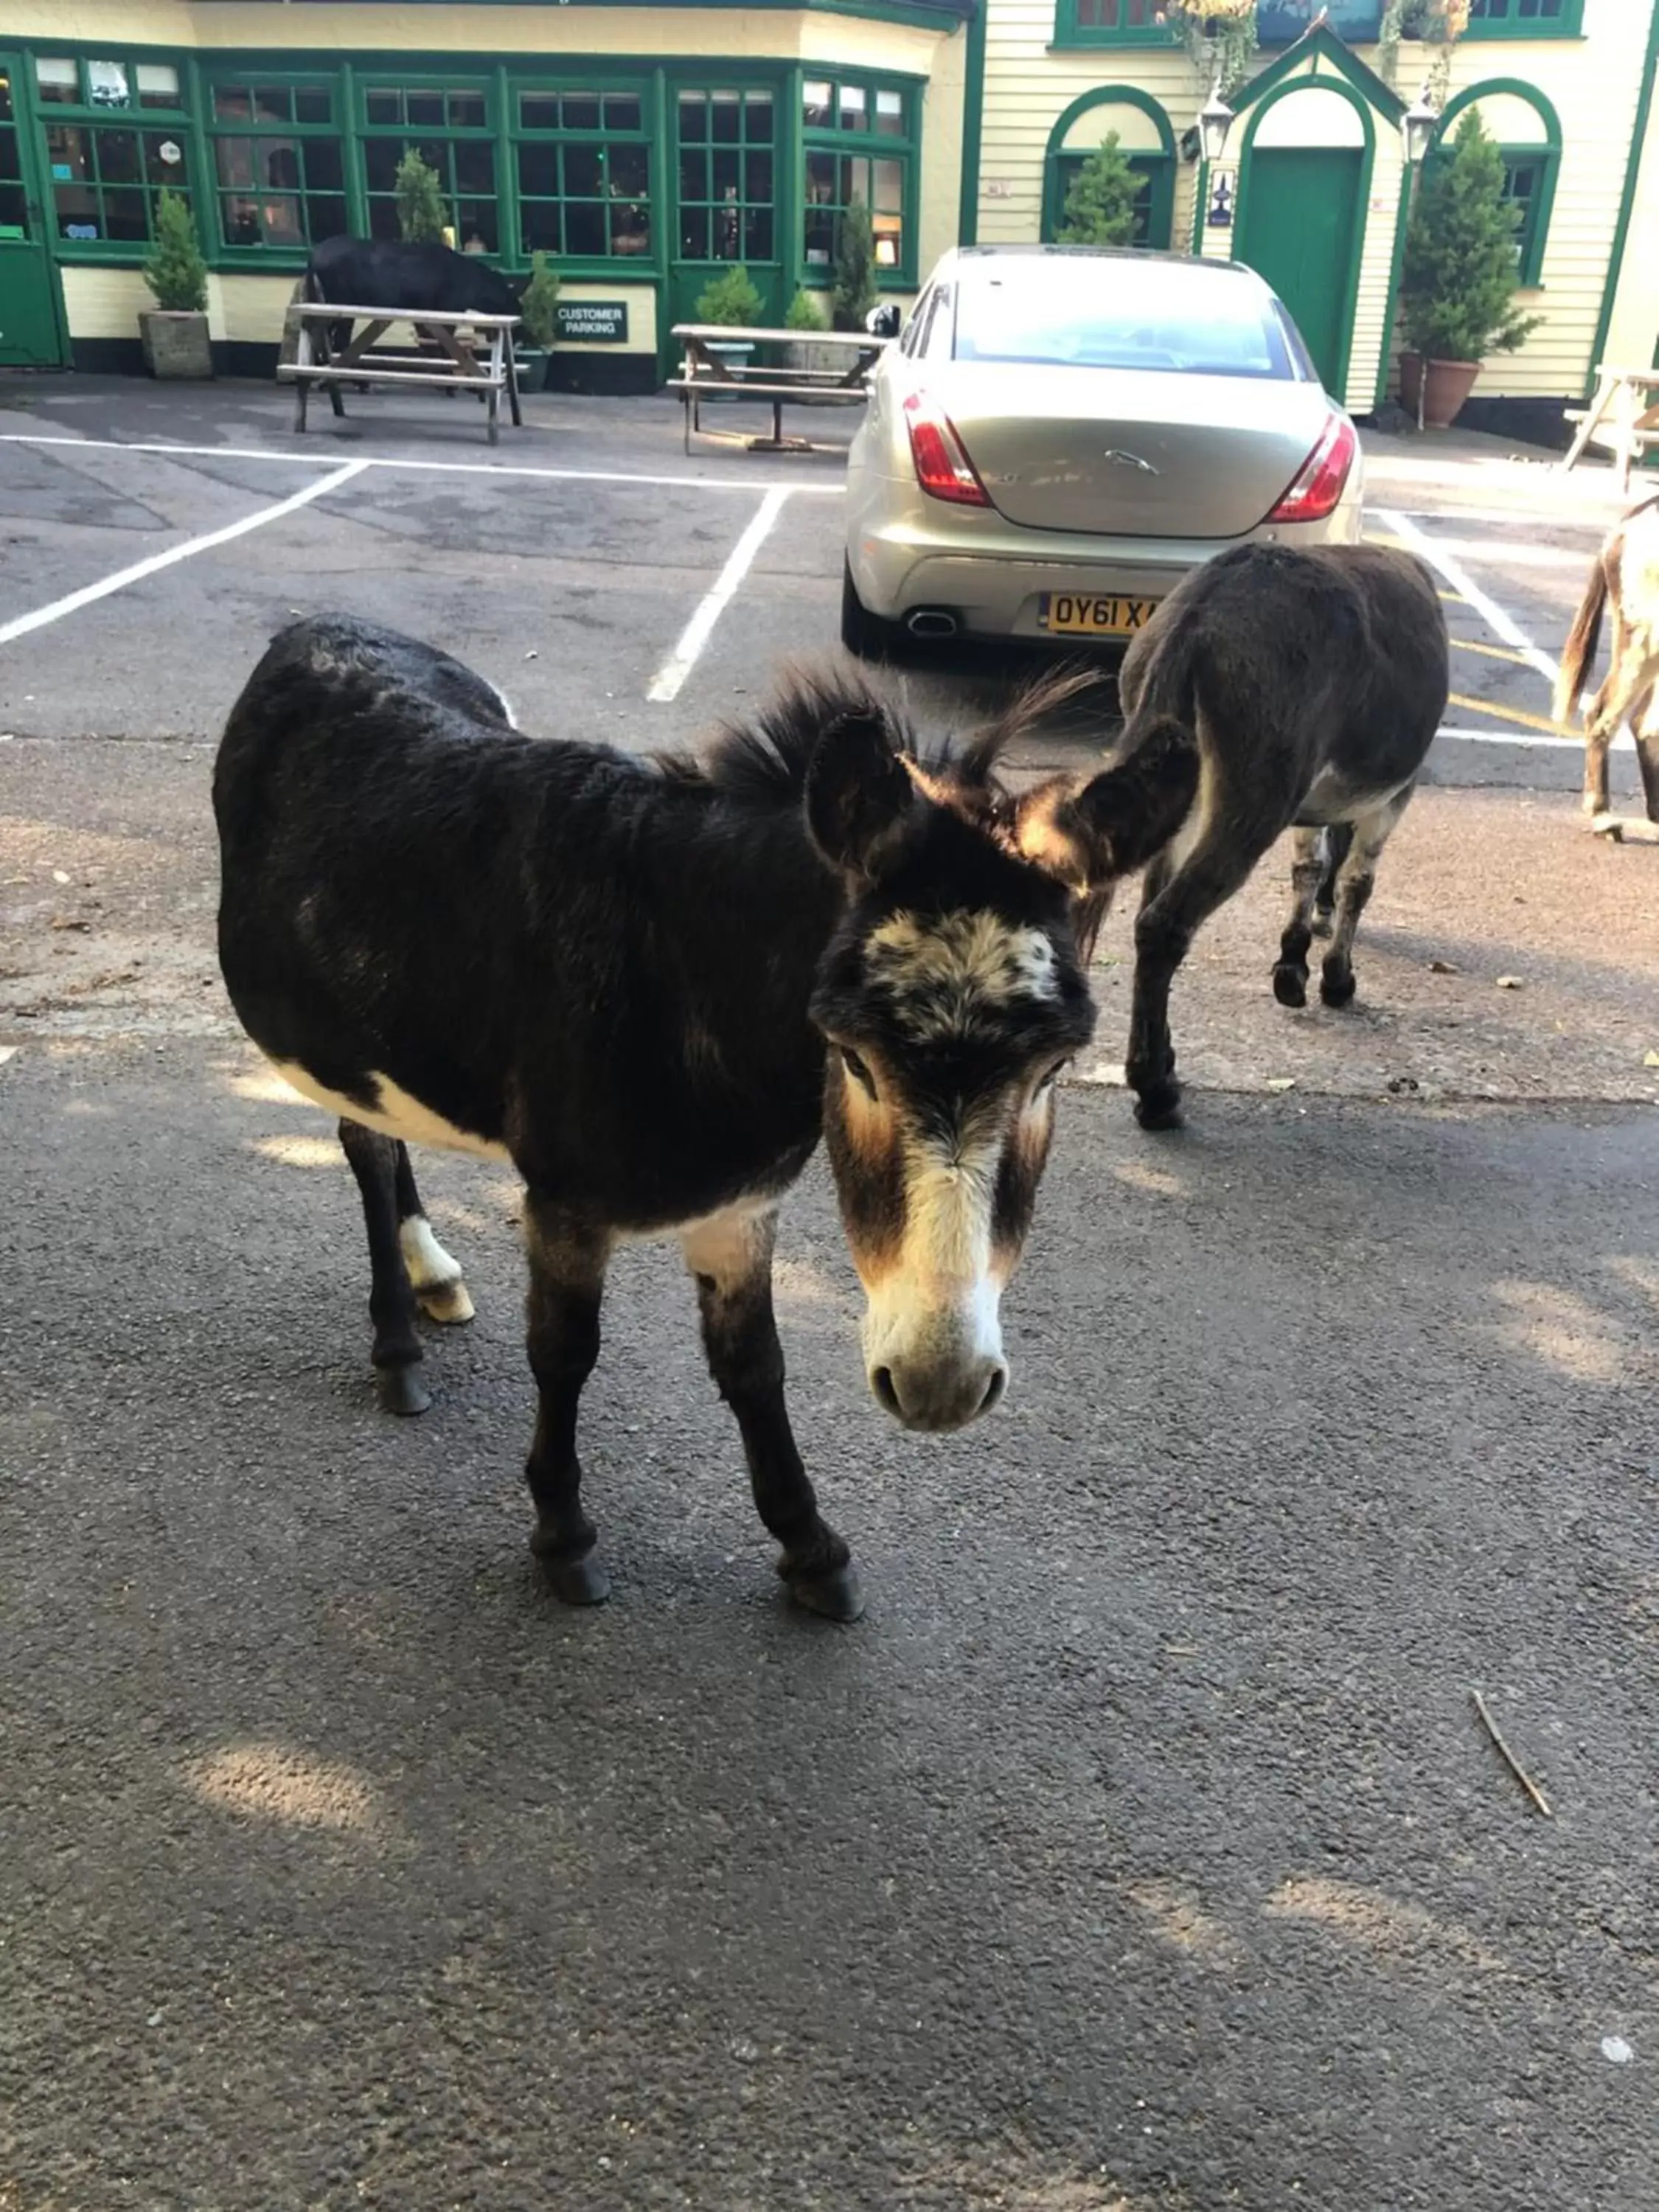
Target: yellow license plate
point(1081, 616)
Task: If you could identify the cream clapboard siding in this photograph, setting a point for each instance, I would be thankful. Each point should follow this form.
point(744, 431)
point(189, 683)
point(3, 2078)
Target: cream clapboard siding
point(209, 25)
point(104, 303)
point(1592, 81)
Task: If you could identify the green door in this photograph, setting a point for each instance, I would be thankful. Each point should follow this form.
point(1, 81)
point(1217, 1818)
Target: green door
point(29, 334)
point(1302, 213)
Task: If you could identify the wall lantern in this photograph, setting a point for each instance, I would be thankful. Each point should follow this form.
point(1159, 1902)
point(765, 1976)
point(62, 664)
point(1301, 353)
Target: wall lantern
point(1419, 125)
point(1215, 120)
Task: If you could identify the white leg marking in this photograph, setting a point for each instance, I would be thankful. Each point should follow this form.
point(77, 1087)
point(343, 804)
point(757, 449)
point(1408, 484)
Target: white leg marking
point(434, 1274)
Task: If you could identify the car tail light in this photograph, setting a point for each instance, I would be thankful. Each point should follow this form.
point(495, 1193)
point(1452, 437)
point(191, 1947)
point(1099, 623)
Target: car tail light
point(1317, 490)
point(942, 467)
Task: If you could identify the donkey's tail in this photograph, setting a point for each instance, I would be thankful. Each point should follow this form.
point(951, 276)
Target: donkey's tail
point(311, 286)
point(1582, 641)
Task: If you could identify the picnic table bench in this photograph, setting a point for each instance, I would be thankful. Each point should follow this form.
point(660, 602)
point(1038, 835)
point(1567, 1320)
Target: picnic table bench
point(454, 367)
point(706, 373)
point(1623, 417)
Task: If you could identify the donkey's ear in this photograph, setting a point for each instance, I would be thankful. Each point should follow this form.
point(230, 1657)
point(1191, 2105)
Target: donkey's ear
point(1117, 821)
point(858, 793)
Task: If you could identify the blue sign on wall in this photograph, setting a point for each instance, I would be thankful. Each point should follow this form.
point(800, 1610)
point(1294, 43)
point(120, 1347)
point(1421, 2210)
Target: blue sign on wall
point(1279, 21)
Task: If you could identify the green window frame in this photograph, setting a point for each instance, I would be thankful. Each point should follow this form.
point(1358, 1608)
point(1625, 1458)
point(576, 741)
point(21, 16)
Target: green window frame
point(1110, 23)
point(278, 149)
point(582, 163)
point(106, 122)
point(728, 149)
point(858, 138)
point(1530, 171)
point(451, 122)
point(1525, 19)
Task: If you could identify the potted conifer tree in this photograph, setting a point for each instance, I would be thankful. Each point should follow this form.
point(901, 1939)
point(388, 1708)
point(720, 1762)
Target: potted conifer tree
point(1458, 279)
point(731, 301)
point(174, 332)
point(1100, 207)
point(855, 269)
point(537, 312)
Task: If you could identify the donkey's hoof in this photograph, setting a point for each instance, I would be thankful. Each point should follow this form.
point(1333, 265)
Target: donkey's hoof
point(1290, 984)
point(1337, 987)
point(1159, 1108)
point(1320, 921)
point(834, 1594)
point(401, 1390)
point(575, 1581)
point(447, 1302)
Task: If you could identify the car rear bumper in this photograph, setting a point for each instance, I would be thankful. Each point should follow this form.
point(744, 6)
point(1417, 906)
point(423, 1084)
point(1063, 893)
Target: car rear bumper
point(992, 575)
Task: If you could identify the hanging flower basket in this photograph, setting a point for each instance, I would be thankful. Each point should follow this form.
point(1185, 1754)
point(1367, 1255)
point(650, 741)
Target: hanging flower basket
point(1220, 36)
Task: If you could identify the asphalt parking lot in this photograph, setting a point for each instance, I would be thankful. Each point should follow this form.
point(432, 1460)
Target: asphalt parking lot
point(1140, 1852)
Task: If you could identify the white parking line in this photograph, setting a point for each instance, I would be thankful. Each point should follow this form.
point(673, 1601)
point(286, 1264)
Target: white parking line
point(1443, 557)
point(1623, 743)
point(441, 468)
point(139, 570)
point(665, 683)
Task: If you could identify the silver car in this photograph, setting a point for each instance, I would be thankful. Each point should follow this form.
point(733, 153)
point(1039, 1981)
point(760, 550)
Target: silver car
point(1063, 431)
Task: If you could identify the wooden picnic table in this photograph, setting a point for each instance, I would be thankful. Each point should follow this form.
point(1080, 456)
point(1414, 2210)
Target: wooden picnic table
point(706, 373)
point(454, 367)
point(1623, 416)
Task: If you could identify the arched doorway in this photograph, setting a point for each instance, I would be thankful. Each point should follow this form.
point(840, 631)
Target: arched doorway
point(1303, 179)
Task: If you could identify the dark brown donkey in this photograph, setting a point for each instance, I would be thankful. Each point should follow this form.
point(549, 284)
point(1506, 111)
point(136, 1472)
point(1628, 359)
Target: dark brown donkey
point(1312, 683)
point(648, 985)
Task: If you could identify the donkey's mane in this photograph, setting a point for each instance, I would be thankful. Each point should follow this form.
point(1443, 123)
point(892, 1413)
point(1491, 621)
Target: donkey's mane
point(763, 762)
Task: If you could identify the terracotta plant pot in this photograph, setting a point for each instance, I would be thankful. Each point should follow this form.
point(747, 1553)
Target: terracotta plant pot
point(175, 345)
point(1449, 383)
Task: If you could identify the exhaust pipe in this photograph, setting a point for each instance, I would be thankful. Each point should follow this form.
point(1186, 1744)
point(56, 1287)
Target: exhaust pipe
point(931, 621)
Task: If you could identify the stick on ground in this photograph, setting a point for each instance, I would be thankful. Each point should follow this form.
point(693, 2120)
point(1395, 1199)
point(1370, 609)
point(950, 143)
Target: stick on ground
point(1509, 1759)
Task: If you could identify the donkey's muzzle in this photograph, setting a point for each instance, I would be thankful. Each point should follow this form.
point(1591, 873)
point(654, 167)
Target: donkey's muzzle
point(938, 1394)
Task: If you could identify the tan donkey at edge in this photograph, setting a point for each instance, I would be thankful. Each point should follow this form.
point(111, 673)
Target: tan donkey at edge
point(1625, 577)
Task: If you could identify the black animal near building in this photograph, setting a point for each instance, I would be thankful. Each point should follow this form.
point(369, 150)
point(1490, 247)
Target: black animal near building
point(649, 985)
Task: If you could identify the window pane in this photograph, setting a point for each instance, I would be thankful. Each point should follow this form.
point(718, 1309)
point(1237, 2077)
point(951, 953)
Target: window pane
point(890, 113)
point(313, 103)
point(466, 110)
point(694, 174)
point(694, 234)
point(158, 85)
point(233, 103)
point(385, 107)
point(622, 111)
point(478, 231)
point(694, 118)
point(125, 216)
point(381, 159)
point(820, 178)
point(757, 234)
point(326, 217)
point(282, 226)
point(58, 78)
point(819, 237)
point(383, 219)
point(629, 172)
point(539, 171)
point(426, 107)
point(757, 118)
point(538, 222)
point(815, 106)
point(582, 177)
point(631, 226)
point(475, 166)
point(276, 164)
point(852, 114)
point(888, 187)
point(584, 227)
point(324, 169)
point(728, 110)
point(107, 87)
point(890, 243)
point(239, 220)
point(538, 111)
point(582, 111)
point(273, 103)
point(233, 159)
point(117, 157)
point(757, 176)
point(725, 175)
point(14, 209)
point(158, 169)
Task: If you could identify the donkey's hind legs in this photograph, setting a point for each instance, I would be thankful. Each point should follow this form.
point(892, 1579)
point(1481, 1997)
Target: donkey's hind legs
point(730, 1254)
point(567, 1282)
point(1307, 882)
point(397, 1351)
point(1371, 832)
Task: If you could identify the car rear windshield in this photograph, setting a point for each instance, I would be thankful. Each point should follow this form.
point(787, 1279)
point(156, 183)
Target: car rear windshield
point(1066, 311)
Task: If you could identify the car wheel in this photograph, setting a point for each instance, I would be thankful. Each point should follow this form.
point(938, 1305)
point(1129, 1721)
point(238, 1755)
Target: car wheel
point(862, 633)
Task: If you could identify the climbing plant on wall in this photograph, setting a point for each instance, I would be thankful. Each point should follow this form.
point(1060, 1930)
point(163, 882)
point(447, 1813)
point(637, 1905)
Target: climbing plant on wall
point(1220, 36)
